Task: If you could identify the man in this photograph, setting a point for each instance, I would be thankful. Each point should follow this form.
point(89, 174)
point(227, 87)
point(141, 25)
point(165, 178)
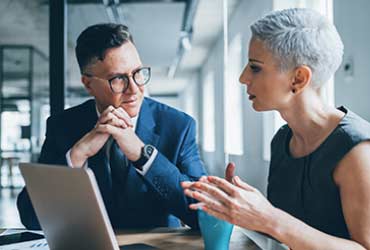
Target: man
point(139, 150)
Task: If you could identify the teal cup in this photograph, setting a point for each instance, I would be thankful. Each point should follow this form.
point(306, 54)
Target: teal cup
point(216, 233)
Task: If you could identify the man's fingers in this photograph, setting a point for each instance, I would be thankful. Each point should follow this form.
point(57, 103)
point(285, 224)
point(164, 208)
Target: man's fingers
point(109, 109)
point(122, 114)
point(106, 128)
point(106, 118)
point(114, 120)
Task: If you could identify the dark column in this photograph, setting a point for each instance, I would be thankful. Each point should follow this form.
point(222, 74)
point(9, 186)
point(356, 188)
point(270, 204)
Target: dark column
point(58, 54)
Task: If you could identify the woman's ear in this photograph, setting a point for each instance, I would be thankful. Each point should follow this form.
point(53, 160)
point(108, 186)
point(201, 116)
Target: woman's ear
point(302, 77)
point(86, 81)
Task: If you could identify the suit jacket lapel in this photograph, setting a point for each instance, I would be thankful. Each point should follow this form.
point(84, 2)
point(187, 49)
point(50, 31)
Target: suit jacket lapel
point(145, 130)
point(145, 127)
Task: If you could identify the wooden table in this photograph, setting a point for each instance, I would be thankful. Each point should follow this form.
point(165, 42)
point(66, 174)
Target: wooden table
point(173, 239)
point(184, 239)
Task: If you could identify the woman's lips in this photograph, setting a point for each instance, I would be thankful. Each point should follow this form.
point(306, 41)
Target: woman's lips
point(251, 97)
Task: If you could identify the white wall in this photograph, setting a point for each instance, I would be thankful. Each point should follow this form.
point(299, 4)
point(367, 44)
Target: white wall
point(352, 21)
point(250, 166)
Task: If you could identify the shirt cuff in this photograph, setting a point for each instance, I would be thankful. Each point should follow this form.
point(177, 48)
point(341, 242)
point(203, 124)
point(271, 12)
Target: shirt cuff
point(69, 161)
point(148, 164)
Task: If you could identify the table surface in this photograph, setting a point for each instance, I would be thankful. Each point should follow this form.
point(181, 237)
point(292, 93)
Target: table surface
point(184, 239)
point(165, 238)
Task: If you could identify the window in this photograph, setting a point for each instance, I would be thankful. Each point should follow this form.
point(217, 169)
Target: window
point(209, 144)
point(233, 100)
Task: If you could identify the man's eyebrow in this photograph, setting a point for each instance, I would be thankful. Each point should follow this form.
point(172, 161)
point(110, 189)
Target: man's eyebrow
point(114, 74)
point(255, 60)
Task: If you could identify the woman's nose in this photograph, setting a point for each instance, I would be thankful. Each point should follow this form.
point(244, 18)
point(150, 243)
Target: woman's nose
point(244, 77)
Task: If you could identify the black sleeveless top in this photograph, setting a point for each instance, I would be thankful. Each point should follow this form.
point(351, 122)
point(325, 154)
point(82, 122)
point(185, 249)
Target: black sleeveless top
point(304, 187)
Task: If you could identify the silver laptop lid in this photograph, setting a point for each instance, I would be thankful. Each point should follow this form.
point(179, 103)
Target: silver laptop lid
point(69, 207)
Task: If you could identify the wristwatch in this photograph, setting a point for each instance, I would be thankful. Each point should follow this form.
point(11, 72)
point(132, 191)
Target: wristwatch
point(146, 153)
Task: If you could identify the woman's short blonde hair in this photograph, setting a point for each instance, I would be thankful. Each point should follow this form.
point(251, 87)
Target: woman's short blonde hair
point(301, 37)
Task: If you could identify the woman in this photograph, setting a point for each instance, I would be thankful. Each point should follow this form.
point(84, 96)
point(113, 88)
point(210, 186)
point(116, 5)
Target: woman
point(319, 179)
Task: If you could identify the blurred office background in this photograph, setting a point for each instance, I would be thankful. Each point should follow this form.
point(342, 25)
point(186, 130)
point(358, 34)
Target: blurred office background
point(196, 48)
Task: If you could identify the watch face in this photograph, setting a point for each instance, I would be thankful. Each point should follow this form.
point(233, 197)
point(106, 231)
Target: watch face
point(148, 149)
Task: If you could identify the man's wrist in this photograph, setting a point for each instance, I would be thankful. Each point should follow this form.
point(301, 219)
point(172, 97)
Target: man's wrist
point(78, 159)
point(137, 153)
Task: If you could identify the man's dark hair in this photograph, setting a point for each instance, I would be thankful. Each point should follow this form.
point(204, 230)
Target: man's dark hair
point(93, 42)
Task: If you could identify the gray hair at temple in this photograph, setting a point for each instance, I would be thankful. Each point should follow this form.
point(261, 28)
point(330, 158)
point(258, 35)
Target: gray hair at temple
point(301, 37)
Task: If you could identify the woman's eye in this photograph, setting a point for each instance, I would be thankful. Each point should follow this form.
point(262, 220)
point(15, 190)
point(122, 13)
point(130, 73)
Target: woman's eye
point(254, 68)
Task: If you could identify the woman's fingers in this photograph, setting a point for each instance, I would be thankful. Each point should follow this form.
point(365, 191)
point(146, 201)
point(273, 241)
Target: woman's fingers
point(213, 191)
point(223, 184)
point(217, 214)
point(204, 199)
point(239, 183)
point(196, 206)
point(186, 184)
point(203, 179)
point(229, 172)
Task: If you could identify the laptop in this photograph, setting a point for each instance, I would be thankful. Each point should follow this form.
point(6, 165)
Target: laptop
point(70, 209)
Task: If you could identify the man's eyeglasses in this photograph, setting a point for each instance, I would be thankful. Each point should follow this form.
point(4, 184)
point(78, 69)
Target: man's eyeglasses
point(120, 83)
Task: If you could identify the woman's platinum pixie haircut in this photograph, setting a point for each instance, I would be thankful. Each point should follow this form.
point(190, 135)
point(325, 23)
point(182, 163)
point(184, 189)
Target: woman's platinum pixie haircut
point(301, 37)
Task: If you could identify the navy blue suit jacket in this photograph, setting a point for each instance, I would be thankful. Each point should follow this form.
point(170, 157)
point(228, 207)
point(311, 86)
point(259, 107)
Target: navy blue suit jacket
point(153, 200)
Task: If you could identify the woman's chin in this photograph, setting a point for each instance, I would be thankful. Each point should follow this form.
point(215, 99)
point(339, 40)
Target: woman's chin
point(260, 108)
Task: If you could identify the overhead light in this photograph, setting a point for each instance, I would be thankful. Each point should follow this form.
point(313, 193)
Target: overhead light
point(185, 35)
point(113, 10)
point(185, 42)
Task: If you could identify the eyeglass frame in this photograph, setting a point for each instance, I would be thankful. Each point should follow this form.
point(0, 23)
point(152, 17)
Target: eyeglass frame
point(128, 76)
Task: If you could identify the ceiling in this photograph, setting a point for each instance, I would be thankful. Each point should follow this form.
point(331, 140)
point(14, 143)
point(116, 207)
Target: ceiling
point(155, 25)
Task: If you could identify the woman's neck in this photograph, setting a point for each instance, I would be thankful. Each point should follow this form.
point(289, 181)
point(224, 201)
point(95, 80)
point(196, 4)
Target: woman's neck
point(311, 121)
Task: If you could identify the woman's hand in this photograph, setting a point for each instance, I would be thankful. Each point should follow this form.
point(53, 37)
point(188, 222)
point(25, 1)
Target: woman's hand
point(237, 203)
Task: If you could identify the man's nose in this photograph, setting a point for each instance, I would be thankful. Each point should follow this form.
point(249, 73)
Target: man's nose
point(132, 86)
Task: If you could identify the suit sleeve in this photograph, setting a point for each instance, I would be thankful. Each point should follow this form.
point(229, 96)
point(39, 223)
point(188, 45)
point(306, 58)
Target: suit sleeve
point(165, 177)
point(49, 155)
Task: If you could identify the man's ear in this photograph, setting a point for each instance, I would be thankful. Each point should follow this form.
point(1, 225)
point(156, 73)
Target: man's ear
point(86, 81)
point(302, 77)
